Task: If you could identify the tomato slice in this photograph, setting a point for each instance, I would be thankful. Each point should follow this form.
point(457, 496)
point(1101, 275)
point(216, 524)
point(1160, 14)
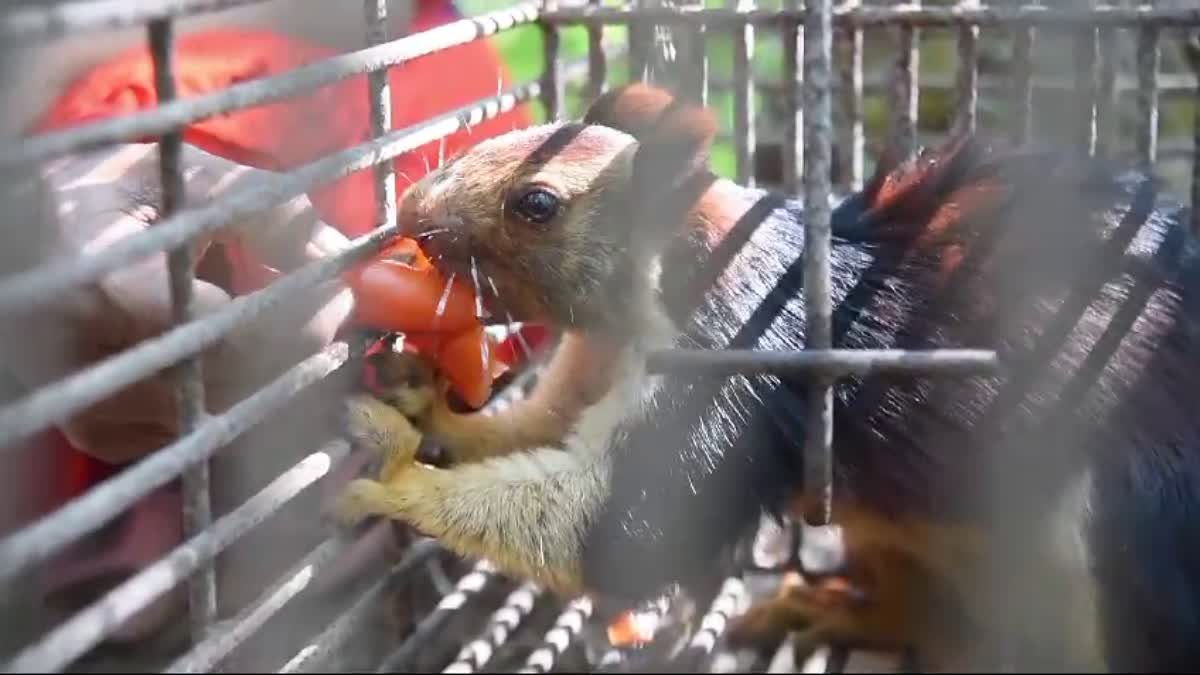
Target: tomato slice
point(461, 358)
point(632, 629)
point(396, 297)
point(400, 292)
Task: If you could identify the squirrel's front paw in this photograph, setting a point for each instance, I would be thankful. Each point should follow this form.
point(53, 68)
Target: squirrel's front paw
point(379, 427)
point(361, 498)
point(406, 382)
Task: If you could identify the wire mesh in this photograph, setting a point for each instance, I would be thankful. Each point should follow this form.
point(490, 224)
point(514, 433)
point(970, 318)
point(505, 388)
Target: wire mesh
point(814, 140)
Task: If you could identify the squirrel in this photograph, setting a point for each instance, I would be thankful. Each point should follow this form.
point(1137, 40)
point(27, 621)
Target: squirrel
point(1041, 517)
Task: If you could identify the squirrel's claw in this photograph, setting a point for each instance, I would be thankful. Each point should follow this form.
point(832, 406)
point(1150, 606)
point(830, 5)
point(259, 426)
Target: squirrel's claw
point(361, 498)
point(380, 428)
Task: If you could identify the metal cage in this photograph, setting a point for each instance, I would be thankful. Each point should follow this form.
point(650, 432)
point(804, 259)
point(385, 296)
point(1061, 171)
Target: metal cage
point(811, 127)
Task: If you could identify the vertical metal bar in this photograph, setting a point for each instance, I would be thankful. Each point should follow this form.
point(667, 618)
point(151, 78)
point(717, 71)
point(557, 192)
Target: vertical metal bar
point(1149, 57)
point(905, 94)
point(699, 70)
point(1191, 48)
point(1022, 82)
point(1106, 95)
point(852, 146)
point(1085, 74)
point(743, 96)
point(639, 45)
point(818, 459)
point(553, 91)
point(597, 62)
point(967, 81)
point(189, 388)
point(793, 82)
point(380, 93)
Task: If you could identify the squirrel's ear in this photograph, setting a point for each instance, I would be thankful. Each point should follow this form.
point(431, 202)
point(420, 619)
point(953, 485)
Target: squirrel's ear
point(673, 137)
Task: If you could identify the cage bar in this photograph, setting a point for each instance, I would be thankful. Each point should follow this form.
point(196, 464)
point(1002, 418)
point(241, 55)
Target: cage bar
point(743, 97)
point(502, 624)
point(793, 83)
point(639, 41)
point(1106, 92)
point(223, 640)
point(907, 13)
point(24, 290)
point(826, 362)
point(966, 100)
point(730, 601)
point(851, 140)
point(189, 385)
point(905, 92)
point(379, 92)
point(1022, 83)
point(50, 20)
point(818, 459)
point(1085, 55)
point(1149, 58)
point(93, 384)
point(164, 119)
point(87, 628)
point(467, 587)
point(597, 75)
point(567, 627)
point(1192, 52)
point(103, 503)
point(315, 656)
point(553, 86)
point(696, 88)
point(1170, 85)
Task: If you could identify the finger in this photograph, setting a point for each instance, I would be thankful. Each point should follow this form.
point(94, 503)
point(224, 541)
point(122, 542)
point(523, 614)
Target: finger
point(284, 236)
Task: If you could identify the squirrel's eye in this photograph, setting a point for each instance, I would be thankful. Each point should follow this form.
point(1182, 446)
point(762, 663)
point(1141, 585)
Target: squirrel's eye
point(537, 205)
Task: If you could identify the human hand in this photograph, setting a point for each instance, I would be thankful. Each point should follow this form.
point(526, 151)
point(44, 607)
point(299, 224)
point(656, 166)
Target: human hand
point(90, 201)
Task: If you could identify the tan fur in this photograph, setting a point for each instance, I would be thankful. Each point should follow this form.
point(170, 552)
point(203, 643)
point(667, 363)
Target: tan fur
point(527, 512)
point(533, 476)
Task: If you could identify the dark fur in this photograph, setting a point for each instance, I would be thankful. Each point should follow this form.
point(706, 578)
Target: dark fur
point(713, 453)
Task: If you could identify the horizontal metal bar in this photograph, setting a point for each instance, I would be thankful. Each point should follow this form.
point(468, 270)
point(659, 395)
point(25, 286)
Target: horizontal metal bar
point(103, 503)
point(912, 15)
point(58, 401)
point(476, 654)
point(86, 629)
point(46, 281)
point(567, 627)
point(314, 656)
point(729, 603)
point(467, 587)
point(1170, 84)
point(827, 362)
point(229, 635)
point(160, 120)
point(50, 20)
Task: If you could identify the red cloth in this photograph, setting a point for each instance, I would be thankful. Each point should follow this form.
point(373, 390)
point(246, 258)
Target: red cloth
point(288, 133)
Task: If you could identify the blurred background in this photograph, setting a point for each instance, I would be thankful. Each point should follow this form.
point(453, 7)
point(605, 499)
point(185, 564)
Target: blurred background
point(1055, 95)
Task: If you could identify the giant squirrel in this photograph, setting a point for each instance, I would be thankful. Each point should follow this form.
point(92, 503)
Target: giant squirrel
point(1042, 517)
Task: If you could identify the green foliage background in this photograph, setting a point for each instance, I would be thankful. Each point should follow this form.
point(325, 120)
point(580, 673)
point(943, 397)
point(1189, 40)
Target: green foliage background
point(1056, 112)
